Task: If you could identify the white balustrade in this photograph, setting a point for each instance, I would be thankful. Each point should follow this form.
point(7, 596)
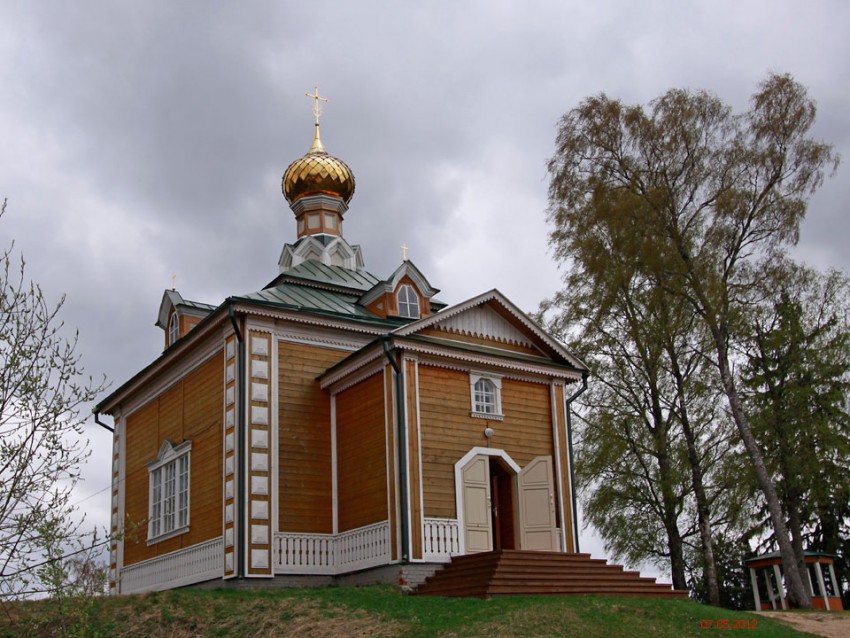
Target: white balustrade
point(355, 549)
point(441, 539)
point(182, 567)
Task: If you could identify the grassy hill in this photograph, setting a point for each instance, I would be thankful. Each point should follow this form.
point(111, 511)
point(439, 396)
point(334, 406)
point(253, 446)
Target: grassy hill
point(374, 612)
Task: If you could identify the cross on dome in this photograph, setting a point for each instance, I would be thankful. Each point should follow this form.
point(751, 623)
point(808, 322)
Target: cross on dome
point(317, 107)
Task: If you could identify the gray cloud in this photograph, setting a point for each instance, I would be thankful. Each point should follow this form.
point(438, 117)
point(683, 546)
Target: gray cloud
point(146, 139)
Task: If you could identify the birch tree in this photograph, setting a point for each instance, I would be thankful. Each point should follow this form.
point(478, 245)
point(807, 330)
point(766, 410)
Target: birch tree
point(42, 443)
point(712, 195)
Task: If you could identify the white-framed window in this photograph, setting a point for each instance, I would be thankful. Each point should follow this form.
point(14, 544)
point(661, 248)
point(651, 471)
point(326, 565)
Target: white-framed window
point(408, 302)
point(168, 497)
point(314, 221)
point(486, 395)
point(173, 329)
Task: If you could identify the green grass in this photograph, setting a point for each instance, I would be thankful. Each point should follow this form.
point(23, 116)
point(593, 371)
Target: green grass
point(370, 611)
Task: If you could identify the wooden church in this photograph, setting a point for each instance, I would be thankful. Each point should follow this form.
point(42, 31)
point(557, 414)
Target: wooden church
point(336, 426)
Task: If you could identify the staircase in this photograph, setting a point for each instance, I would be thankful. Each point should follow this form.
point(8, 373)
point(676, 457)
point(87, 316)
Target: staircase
point(513, 572)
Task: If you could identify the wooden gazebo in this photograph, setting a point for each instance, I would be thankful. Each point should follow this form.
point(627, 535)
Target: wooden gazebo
point(768, 581)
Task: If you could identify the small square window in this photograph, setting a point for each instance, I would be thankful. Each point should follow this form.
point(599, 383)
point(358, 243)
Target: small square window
point(486, 396)
point(330, 221)
point(314, 221)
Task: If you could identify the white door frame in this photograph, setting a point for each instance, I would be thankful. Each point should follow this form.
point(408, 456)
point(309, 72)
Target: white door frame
point(476, 451)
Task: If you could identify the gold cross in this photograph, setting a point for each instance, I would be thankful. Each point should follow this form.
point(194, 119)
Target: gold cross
point(174, 281)
point(317, 109)
point(404, 252)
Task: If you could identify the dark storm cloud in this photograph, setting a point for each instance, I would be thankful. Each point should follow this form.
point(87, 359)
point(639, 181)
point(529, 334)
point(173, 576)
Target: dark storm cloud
point(145, 139)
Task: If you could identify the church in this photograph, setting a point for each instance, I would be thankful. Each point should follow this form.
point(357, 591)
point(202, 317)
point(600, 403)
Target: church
point(338, 426)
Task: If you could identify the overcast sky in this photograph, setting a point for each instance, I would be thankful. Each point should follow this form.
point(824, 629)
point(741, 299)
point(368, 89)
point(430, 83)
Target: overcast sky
point(142, 140)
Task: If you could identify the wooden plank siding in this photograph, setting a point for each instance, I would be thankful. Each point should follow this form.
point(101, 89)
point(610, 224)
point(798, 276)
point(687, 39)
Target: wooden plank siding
point(361, 454)
point(304, 462)
point(449, 432)
point(188, 411)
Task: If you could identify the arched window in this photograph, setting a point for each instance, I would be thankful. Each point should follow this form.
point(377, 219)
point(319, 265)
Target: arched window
point(485, 390)
point(168, 496)
point(408, 302)
point(173, 329)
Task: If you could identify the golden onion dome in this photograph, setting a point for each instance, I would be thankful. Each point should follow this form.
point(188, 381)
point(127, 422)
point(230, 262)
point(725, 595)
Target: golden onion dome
point(318, 173)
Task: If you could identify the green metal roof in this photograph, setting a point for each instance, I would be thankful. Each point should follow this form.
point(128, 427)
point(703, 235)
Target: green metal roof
point(304, 297)
point(292, 296)
point(197, 305)
point(316, 271)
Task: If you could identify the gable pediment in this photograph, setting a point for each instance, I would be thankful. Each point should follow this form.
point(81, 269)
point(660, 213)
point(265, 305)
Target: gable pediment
point(491, 320)
point(484, 323)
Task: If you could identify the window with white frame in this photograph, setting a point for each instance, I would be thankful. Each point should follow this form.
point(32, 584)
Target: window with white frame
point(173, 329)
point(408, 302)
point(486, 395)
point(168, 509)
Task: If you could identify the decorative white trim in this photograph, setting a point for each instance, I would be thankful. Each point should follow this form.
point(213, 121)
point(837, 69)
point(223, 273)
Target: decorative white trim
point(484, 322)
point(491, 361)
point(274, 429)
point(441, 539)
point(496, 381)
point(437, 362)
point(318, 336)
point(498, 297)
point(476, 451)
point(370, 371)
point(119, 487)
point(557, 455)
point(194, 564)
point(352, 550)
point(396, 465)
point(419, 451)
point(389, 285)
point(350, 368)
point(247, 307)
point(406, 448)
point(390, 457)
point(169, 454)
point(232, 447)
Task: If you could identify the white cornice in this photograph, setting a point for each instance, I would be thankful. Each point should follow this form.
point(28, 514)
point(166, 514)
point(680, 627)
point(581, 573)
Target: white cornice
point(321, 338)
point(468, 367)
point(310, 320)
point(365, 373)
point(492, 361)
point(350, 368)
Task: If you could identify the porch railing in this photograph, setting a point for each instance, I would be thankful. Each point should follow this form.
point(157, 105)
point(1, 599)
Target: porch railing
point(367, 546)
point(182, 567)
point(441, 538)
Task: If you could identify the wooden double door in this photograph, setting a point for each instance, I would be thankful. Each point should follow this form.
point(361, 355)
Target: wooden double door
point(504, 509)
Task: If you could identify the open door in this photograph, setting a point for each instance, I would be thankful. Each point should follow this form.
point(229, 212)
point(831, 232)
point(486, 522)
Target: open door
point(537, 505)
point(478, 533)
